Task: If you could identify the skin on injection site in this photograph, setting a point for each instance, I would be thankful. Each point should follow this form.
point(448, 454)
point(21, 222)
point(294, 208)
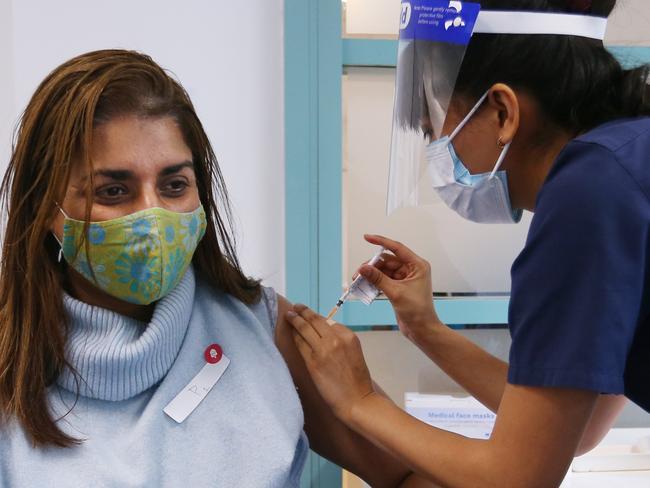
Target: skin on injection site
point(325, 244)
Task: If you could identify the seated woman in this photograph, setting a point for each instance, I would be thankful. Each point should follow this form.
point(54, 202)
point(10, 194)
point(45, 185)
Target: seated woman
point(120, 284)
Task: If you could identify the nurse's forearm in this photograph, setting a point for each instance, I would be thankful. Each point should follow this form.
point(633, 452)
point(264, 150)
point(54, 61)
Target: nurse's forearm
point(438, 456)
point(484, 377)
point(480, 373)
point(532, 443)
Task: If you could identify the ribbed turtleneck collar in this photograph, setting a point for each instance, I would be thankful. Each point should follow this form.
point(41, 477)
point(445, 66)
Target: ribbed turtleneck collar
point(118, 357)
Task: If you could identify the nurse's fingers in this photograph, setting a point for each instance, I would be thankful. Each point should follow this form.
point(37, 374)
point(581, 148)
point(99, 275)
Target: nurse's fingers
point(303, 328)
point(304, 348)
point(393, 267)
point(382, 281)
point(318, 322)
point(397, 248)
point(388, 264)
point(379, 264)
point(389, 261)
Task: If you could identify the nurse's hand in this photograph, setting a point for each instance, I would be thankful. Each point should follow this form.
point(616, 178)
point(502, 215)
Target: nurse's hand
point(333, 356)
point(405, 279)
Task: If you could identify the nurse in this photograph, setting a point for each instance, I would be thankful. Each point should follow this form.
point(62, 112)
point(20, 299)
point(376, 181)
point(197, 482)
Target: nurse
point(533, 113)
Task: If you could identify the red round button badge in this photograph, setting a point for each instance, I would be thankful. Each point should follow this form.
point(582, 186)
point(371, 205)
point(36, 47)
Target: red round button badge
point(213, 353)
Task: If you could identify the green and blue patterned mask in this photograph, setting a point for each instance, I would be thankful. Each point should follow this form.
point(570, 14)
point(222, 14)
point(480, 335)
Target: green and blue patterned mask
point(138, 258)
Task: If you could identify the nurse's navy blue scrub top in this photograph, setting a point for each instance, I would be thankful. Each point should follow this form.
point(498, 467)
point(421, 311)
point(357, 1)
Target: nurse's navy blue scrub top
point(580, 303)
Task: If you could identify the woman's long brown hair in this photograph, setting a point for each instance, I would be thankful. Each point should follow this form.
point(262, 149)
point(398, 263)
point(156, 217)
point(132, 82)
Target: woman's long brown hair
point(56, 130)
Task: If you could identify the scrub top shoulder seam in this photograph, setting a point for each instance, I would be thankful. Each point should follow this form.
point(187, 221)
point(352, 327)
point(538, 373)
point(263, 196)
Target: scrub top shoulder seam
point(614, 154)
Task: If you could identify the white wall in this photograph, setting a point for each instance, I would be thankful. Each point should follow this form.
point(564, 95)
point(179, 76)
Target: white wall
point(7, 110)
point(229, 57)
point(628, 24)
point(372, 17)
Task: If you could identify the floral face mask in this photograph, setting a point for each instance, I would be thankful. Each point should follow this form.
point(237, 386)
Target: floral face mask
point(138, 258)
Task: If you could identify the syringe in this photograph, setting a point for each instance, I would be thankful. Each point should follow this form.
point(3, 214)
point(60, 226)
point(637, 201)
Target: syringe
point(359, 279)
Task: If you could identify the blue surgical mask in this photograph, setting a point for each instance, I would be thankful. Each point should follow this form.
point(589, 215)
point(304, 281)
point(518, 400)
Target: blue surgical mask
point(482, 198)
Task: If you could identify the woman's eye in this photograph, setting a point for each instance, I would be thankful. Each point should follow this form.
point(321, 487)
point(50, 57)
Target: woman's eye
point(176, 187)
point(111, 192)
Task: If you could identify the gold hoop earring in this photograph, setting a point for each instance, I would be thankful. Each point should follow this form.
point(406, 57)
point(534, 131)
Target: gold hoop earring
point(500, 144)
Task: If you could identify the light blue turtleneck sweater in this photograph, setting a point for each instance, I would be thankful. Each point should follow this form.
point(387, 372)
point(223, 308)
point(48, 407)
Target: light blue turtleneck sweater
point(247, 432)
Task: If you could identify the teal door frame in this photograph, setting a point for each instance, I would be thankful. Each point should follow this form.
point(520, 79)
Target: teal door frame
point(315, 56)
point(312, 40)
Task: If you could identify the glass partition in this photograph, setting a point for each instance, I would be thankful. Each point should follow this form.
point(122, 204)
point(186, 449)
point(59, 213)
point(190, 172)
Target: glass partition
point(466, 258)
point(378, 19)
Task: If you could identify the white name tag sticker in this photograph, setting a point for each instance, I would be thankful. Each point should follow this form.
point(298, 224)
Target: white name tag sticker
point(197, 389)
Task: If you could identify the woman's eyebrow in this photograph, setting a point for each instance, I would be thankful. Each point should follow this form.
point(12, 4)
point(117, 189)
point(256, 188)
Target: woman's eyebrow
point(170, 170)
point(115, 174)
point(125, 174)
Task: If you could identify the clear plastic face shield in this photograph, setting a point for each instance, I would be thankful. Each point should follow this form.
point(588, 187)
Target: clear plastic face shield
point(433, 39)
point(434, 35)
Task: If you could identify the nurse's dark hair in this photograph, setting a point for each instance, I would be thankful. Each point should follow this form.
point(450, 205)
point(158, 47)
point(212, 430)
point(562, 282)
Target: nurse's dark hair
point(577, 83)
point(55, 132)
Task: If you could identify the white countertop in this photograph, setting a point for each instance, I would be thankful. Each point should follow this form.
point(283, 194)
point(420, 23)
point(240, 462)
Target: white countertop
point(620, 479)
